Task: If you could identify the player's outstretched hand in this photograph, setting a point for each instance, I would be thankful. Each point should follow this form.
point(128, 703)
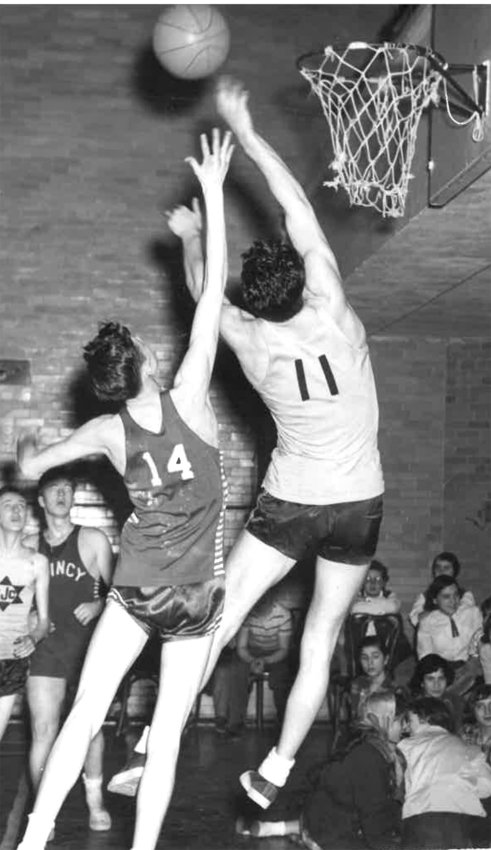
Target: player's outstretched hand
point(27, 447)
point(212, 170)
point(232, 104)
point(184, 221)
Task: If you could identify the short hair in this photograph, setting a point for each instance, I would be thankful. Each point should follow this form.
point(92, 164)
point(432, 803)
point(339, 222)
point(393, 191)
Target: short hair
point(478, 692)
point(56, 473)
point(11, 488)
point(114, 363)
point(272, 280)
point(451, 558)
point(438, 584)
point(381, 568)
point(431, 663)
point(433, 711)
point(385, 705)
point(372, 640)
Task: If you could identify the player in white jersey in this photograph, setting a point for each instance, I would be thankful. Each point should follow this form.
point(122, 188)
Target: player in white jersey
point(24, 578)
point(304, 350)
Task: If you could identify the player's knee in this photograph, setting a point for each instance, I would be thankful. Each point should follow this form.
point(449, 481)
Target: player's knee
point(44, 729)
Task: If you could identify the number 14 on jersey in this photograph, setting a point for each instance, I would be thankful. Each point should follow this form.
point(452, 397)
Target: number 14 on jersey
point(178, 462)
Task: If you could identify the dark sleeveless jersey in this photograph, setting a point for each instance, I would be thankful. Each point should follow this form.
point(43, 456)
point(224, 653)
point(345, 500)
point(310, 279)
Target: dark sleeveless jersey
point(70, 584)
point(177, 486)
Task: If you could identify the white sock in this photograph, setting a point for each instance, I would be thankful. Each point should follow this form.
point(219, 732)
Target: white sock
point(93, 791)
point(276, 768)
point(141, 746)
point(262, 829)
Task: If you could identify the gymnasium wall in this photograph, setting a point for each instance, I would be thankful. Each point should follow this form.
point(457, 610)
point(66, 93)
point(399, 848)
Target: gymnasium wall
point(94, 136)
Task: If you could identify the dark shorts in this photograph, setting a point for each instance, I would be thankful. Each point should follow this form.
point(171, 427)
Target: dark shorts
point(174, 613)
point(434, 830)
point(13, 675)
point(61, 655)
point(346, 532)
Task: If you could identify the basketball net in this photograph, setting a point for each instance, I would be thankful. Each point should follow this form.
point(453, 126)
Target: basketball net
point(373, 113)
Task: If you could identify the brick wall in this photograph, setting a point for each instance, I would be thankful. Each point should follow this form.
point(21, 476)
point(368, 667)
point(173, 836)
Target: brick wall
point(467, 481)
point(94, 136)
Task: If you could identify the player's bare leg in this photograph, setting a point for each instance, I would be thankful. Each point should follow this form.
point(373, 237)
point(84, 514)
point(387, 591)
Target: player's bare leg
point(6, 708)
point(45, 696)
point(335, 587)
point(99, 817)
point(182, 665)
point(252, 568)
point(116, 643)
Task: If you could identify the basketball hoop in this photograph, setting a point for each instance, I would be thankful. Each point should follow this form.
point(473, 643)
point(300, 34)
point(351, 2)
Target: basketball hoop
point(372, 96)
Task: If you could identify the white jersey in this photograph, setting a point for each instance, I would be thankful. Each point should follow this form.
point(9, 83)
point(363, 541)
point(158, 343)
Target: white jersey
point(17, 586)
point(321, 393)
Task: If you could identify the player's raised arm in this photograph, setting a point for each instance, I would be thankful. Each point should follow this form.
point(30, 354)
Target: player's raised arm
point(91, 438)
point(196, 368)
point(235, 324)
point(308, 239)
point(186, 223)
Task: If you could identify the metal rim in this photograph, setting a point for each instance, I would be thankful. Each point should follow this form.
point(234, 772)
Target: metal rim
point(435, 59)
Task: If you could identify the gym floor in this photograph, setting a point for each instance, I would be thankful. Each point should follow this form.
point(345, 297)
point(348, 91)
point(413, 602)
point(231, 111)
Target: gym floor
point(206, 801)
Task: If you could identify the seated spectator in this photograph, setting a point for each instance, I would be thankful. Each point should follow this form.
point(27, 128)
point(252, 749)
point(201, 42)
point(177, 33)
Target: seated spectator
point(375, 598)
point(432, 678)
point(373, 661)
point(479, 733)
point(446, 563)
point(480, 645)
point(264, 642)
point(377, 612)
point(444, 780)
point(229, 688)
point(354, 798)
point(447, 631)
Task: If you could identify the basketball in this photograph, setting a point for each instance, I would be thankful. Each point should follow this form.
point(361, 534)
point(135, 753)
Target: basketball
point(191, 41)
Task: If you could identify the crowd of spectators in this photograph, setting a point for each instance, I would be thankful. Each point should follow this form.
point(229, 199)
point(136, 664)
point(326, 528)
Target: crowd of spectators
point(412, 765)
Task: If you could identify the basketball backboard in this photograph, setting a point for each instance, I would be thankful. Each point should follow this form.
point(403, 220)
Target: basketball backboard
point(462, 35)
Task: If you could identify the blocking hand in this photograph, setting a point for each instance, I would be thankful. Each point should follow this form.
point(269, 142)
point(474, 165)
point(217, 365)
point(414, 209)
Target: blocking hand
point(27, 447)
point(232, 104)
point(184, 221)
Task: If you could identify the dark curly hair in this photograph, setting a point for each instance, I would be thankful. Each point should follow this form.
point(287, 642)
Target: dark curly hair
point(479, 692)
point(430, 663)
point(433, 711)
point(114, 363)
point(380, 568)
point(438, 584)
point(451, 558)
point(272, 280)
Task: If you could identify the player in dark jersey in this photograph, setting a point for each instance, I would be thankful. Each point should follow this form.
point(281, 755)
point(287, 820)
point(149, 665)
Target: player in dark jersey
point(165, 445)
point(79, 559)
